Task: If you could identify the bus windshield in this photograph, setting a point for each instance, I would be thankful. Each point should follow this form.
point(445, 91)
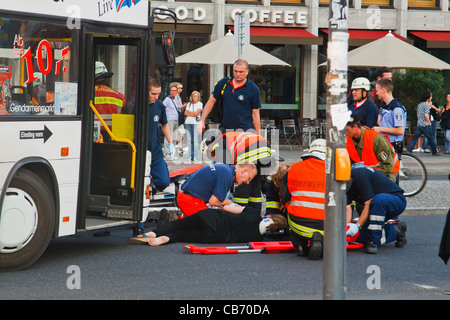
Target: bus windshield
point(36, 69)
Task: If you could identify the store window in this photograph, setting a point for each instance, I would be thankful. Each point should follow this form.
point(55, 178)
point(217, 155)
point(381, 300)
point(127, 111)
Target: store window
point(36, 69)
point(192, 76)
point(280, 87)
point(422, 3)
point(290, 2)
point(380, 3)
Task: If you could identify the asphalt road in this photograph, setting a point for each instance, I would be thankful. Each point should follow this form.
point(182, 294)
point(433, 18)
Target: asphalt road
point(87, 267)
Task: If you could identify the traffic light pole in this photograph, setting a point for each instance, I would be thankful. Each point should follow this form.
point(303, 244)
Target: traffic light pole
point(334, 257)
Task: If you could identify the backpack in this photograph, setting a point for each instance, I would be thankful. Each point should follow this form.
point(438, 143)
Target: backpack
point(216, 113)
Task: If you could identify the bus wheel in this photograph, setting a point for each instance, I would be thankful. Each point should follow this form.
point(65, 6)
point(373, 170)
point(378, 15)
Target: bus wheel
point(27, 221)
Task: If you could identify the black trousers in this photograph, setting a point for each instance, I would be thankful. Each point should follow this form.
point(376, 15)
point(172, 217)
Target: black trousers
point(189, 229)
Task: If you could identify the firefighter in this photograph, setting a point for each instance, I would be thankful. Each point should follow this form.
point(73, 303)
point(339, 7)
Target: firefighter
point(302, 191)
point(371, 148)
point(272, 191)
point(106, 100)
point(243, 147)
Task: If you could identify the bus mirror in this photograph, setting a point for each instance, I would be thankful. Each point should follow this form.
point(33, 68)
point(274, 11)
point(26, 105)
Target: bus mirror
point(168, 48)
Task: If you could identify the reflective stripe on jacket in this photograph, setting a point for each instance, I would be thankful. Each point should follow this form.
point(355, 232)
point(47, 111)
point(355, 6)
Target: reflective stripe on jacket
point(107, 100)
point(243, 147)
point(306, 184)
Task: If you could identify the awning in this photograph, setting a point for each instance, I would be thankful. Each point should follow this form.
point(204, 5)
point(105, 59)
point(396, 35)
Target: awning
point(434, 39)
point(274, 35)
point(361, 37)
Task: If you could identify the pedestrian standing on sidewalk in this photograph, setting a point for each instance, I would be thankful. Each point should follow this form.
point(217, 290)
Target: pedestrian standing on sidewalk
point(193, 113)
point(435, 115)
point(424, 124)
point(445, 123)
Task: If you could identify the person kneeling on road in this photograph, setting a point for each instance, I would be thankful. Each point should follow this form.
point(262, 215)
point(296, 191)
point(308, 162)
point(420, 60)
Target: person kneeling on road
point(210, 185)
point(382, 200)
point(302, 191)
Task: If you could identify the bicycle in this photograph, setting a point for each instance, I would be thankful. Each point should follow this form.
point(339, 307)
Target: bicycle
point(412, 175)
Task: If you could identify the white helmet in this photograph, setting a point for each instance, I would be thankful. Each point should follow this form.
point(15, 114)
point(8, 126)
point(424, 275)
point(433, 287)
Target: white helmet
point(317, 149)
point(319, 145)
point(101, 71)
point(361, 83)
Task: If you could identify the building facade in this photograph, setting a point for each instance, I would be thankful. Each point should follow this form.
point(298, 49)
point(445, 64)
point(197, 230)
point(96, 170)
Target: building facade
point(296, 32)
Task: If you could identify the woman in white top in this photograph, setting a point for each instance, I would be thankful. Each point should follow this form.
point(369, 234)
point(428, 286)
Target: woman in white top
point(192, 113)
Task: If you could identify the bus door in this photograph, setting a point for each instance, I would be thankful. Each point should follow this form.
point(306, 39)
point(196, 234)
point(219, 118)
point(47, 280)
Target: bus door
point(117, 145)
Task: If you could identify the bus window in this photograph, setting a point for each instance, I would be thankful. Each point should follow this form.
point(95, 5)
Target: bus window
point(36, 69)
point(115, 89)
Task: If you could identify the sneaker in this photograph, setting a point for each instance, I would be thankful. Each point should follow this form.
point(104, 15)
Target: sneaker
point(371, 247)
point(437, 154)
point(426, 151)
point(315, 246)
point(400, 230)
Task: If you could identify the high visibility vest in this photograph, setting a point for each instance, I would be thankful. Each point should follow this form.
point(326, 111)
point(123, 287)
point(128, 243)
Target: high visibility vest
point(306, 185)
point(368, 154)
point(107, 100)
point(243, 147)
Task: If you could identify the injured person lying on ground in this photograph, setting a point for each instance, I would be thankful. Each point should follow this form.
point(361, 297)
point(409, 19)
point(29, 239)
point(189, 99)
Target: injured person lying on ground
point(215, 226)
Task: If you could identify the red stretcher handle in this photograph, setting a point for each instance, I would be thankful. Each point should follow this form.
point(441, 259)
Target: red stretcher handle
point(273, 246)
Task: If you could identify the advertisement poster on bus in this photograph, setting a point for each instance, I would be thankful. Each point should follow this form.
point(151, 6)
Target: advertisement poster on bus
point(5, 85)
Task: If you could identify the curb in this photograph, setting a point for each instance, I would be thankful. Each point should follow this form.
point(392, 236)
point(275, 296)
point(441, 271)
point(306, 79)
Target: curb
point(425, 211)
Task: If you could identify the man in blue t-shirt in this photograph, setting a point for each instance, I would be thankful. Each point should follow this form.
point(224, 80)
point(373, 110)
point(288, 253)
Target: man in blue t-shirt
point(241, 102)
point(157, 115)
point(210, 185)
point(382, 200)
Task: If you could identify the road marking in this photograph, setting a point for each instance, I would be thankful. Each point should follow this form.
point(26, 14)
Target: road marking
point(424, 286)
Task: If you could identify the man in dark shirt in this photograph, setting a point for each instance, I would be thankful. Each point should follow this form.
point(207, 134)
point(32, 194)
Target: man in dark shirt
point(157, 115)
point(241, 102)
point(362, 107)
point(382, 200)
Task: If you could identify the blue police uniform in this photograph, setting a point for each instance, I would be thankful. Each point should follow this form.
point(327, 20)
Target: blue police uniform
point(393, 115)
point(159, 170)
point(238, 104)
point(387, 203)
point(213, 179)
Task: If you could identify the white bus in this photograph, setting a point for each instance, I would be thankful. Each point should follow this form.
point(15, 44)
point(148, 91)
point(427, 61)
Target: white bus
point(57, 176)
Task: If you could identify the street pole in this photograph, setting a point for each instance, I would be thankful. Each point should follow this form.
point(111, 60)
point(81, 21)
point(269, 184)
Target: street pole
point(241, 31)
point(334, 256)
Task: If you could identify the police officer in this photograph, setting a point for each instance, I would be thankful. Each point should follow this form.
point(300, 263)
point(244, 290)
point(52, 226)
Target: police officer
point(392, 117)
point(302, 191)
point(382, 200)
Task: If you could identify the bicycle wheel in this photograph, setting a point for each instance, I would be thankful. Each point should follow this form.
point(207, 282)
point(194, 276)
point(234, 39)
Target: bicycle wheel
point(412, 175)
